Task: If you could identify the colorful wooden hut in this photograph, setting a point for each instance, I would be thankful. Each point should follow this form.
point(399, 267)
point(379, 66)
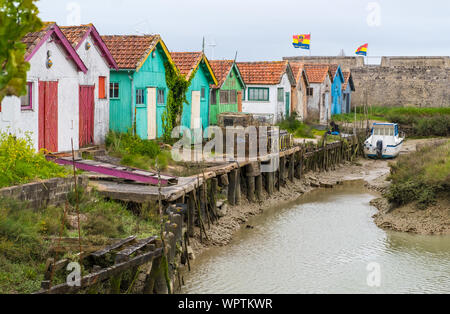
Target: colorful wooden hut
point(268, 88)
point(299, 96)
point(195, 67)
point(49, 111)
point(94, 85)
point(347, 89)
point(138, 90)
point(227, 95)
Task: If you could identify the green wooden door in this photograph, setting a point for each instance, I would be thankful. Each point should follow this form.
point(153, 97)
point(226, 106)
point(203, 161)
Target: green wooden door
point(288, 104)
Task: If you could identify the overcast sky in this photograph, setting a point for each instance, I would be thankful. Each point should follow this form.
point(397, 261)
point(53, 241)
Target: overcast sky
point(262, 30)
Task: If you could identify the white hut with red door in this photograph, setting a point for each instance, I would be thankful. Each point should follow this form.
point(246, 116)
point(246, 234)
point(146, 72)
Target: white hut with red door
point(50, 110)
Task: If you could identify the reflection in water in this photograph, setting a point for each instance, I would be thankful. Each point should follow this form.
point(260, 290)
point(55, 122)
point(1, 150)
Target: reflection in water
point(322, 244)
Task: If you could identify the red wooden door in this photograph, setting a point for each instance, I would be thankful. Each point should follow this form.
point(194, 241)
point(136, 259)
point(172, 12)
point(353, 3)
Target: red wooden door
point(86, 135)
point(48, 116)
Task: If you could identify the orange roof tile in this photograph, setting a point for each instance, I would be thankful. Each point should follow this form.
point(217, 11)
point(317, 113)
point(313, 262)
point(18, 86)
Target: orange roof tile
point(75, 33)
point(264, 73)
point(297, 69)
point(186, 62)
point(221, 68)
point(31, 40)
point(130, 51)
point(317, 73)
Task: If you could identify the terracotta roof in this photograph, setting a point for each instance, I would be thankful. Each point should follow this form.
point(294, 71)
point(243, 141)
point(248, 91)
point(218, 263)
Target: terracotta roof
point(186, 62)
point(75, 33)
point(264, 73)
point(317, 73)
point(33, 39)
point(348, 79)
point(297, 69)
point(221, 68)
point(130, 51)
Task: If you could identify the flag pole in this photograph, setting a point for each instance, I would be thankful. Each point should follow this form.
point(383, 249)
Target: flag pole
point(310, 44)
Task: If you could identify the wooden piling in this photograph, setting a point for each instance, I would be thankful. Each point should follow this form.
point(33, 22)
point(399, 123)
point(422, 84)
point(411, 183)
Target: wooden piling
point(259, 184)
point(232, 186)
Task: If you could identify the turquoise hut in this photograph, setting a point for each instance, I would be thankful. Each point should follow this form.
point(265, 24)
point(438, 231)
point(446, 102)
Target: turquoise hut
point(196, 68)
point(336, 89)
point(138, 90)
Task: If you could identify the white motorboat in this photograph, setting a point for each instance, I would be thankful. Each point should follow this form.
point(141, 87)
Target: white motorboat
point(385, 141)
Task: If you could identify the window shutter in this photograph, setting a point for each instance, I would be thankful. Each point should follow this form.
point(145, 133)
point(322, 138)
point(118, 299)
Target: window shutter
point(101, 87)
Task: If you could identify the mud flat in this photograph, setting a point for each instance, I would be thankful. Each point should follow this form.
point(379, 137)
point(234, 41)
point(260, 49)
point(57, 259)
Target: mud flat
point(370, 172)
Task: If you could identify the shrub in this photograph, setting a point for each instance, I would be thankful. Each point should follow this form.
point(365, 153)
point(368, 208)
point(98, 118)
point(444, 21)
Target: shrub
point(296, 127)
point(19, 163)
point(420, 176)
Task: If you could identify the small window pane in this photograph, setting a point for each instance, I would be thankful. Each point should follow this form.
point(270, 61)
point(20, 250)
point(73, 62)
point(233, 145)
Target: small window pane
point(224, 97)
point(139, 96)
point(203, 93)
point(161, 97)
point(281, 95)
point(114, 90)
point(26, 100)
point(233, 97)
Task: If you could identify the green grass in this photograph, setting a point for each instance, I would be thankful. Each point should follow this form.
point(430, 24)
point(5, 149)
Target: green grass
point(425, 122)
point(19, 163)
point(23, 233)
point(296, 128)
point(135, 152)
point(420, 176)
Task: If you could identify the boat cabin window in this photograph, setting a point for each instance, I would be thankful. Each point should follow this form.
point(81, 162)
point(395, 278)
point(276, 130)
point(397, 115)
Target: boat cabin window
point(383, 131)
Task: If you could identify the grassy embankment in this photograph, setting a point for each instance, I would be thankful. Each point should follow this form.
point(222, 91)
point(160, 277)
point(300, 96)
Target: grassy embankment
point(26, 234)
point(20, 164)
point(421, 177)
point(135, 152)
point(424, 121)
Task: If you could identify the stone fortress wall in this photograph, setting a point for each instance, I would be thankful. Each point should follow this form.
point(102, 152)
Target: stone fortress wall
point(397, 81)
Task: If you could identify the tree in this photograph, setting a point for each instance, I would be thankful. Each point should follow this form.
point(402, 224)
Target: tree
point(17, 18)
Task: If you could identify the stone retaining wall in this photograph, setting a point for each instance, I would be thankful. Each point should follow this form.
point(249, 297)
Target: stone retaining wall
point(41, 194)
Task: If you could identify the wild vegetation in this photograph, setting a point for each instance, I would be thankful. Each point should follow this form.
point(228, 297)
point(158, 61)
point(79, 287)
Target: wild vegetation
point(424, 121)
point(136, 152)
point(421, 176)
point(25, 234)
point(17, 18)
point(296, 128)
point(19, 163)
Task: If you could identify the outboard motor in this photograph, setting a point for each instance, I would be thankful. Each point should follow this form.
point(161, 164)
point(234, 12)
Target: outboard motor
point(380, 149)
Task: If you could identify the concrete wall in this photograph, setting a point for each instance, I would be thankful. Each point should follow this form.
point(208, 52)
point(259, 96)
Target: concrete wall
point(272, 106)
point(398, 81)
point(46, 193)
point(97, 66)
point(17, 121)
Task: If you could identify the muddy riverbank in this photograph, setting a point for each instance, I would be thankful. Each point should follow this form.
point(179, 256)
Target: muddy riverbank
point(370, 171)
point(374, 173)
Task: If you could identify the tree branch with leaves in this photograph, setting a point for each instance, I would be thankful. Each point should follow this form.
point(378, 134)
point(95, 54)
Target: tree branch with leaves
point(17, 18)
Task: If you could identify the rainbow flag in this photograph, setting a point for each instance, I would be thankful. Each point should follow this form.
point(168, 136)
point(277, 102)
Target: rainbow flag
point(362, 51)
point(302, 41)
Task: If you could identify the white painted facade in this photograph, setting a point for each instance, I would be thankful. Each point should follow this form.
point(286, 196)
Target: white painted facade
point(272, 106)
point(97, 66)
point(17, 121)
point(319, 104)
